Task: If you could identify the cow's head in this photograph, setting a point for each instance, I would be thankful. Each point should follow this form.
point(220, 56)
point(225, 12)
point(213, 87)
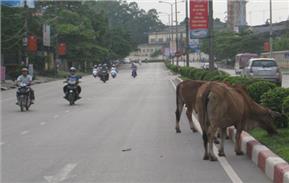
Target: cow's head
point(266, 121)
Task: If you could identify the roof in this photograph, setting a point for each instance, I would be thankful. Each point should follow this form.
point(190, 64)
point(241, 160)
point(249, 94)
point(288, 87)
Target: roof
point(262, 59)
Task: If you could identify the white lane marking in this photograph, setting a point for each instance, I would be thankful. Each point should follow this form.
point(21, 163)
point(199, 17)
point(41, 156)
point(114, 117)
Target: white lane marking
point(43, 123)
point(67, 111)
point(223, 161)
point(2, 143)
point(62, 175)
point(24, 132)
point(56, 116)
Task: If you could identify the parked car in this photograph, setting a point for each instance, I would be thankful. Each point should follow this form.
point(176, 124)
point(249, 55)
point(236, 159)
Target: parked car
point(242, 60)
point(206, 65)
point(263, 68)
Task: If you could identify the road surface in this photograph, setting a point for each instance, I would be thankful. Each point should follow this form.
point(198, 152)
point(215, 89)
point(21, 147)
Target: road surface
point(120, 131)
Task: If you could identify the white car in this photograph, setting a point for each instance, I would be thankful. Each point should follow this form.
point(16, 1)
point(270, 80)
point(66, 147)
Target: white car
point(206, 65)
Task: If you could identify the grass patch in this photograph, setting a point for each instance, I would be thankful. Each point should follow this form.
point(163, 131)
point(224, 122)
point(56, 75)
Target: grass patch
point(185, 78)
point(279, 144)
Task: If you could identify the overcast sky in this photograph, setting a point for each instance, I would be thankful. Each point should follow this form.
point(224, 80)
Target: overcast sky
point(257, 10)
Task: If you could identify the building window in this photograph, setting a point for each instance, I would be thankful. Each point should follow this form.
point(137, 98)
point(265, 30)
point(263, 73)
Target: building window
point(161, 40)
point(153, 40)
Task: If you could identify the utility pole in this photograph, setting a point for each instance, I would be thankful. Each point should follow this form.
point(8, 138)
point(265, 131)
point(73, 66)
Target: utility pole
point(25, 42)
point(211, 28)
point(271, 30)
point(177, 39)
point(171, 26)
point(187, 35)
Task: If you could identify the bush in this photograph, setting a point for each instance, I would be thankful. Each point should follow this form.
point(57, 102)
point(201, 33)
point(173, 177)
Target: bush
point(240, 80)
point(274, 98)
point(257, 89)
point(213, 74)
point(285, 107)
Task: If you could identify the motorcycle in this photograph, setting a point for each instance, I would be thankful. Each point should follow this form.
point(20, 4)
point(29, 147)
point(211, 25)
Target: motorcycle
point(72, 93)
point(23, 97)
point(113, 73)
point(104, 76)
point(134, 74)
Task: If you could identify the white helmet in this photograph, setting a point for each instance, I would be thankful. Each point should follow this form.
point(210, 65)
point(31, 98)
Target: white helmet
point(72, 69)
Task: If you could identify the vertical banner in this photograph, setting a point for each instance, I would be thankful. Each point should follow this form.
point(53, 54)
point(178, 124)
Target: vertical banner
point(32, 43)
point(199, 19)
point(46, 35)
point(61, 49)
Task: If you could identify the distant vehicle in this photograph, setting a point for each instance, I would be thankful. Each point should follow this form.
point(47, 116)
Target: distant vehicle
point(242, 60)
point(126, 60)
point(206, 65)
point(263, 68)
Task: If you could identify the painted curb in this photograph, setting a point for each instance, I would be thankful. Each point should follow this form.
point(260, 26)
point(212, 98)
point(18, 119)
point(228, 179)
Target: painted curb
point(271, 164)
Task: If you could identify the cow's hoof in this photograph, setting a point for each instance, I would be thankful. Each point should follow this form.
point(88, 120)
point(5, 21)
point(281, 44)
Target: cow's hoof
point(221, 154)
point(240, 153)
point(206, 157)
point(194, 130)
point(212, 158)
point(178, 130)
point(216, 141)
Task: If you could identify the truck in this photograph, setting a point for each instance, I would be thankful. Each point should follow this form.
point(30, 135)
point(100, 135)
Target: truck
point(242, 61)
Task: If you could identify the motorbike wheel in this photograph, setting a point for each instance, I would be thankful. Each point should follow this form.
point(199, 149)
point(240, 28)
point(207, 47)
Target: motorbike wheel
point(27, 104)
point(22, 100)
point(71, 98)
point(21, 105)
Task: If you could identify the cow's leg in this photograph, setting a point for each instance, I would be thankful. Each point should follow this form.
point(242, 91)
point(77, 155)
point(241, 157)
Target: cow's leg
point(211, 135)
point(189, 116)
point(222, 136)
point(205, 140)
point(180, 106)
point(237, 144)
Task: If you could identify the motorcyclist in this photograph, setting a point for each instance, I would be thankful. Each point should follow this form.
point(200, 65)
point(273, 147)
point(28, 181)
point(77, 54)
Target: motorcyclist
point(104, 67)
point(72, 76)
point(26, 79)
point(95, 70)
point(133, 68)
point(113, 68)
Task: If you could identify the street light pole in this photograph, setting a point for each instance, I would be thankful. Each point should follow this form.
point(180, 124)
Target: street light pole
point(187, 35)
point(271, 30)
point(177, 39)
point(26, 33)
point(211, 28)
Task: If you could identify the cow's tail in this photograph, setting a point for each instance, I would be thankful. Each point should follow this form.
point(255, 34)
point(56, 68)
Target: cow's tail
point(178, 98)
point(205, 101)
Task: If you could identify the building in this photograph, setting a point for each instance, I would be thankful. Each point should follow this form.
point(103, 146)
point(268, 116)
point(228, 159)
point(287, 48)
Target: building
point(163, 42)
point(236, 14)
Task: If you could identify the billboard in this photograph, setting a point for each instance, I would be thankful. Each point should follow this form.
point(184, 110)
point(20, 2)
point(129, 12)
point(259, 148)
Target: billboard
point(18, 3)
point(199, 19)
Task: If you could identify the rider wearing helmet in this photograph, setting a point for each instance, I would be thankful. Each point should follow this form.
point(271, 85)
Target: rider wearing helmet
point(26, 79)
point(72, 76)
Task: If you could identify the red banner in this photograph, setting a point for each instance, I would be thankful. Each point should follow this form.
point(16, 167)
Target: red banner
point(32, 43)
point(267, 46)
point(199, 14)
point(61, 49)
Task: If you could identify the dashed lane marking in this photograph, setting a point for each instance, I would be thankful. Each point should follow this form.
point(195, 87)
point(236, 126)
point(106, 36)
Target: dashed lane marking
point(223, 161)
point(62, 175)
point(24, 132)
point(43, 123)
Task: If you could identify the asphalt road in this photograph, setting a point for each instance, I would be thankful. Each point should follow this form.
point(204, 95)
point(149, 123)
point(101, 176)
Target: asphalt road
point(120, 131)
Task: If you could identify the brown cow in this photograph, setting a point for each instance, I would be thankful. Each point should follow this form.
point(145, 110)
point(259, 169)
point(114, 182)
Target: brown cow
point(220, 106)
point(186, 93)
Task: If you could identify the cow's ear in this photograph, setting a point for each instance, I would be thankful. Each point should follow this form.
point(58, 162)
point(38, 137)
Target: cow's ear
point(275, 114)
